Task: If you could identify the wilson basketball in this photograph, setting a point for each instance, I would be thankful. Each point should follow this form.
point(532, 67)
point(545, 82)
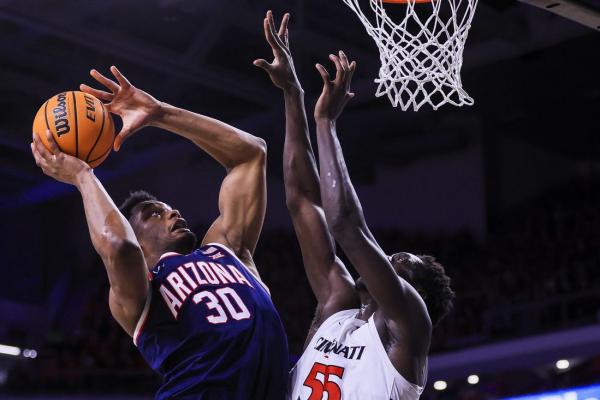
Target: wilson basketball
point(80, 124)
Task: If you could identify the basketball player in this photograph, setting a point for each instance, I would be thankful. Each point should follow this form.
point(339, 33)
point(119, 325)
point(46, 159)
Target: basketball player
point(369, 338)
point(201, 318)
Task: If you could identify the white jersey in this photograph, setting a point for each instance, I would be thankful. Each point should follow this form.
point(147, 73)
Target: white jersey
point(346, 359)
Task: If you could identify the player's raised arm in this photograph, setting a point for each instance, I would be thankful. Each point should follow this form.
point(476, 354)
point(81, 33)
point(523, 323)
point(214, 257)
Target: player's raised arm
point(111, 234)
point(403, 308)
point(330, 281)
point(242, 199)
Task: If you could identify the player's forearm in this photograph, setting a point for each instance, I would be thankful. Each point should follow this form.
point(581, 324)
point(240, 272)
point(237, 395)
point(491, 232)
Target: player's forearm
point(340, 202)
point(109, 230)
point(226, 144)
point(299, 166)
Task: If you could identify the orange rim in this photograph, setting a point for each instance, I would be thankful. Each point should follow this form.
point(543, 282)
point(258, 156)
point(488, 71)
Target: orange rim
point(406, 1)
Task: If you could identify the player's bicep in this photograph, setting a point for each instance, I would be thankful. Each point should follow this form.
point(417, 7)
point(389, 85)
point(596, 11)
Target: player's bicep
point(242, 206)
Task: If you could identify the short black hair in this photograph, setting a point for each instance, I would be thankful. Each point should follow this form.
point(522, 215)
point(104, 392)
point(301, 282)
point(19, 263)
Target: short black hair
point(433, 284)
point(133, 200)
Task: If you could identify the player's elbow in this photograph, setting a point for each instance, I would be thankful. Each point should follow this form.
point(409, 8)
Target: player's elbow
point(261, 145)
point(294, 200)
point(344, 225)
point(259, 149)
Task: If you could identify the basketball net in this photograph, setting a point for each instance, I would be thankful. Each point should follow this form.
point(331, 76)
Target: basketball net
point(421, 57)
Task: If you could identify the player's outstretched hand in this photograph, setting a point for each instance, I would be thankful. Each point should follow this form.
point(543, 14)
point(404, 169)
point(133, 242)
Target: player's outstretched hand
point(55, 163)
point(336, 93)
point(135, 107)
point(281, 70)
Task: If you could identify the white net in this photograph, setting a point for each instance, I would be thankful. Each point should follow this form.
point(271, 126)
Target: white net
point(421, 56)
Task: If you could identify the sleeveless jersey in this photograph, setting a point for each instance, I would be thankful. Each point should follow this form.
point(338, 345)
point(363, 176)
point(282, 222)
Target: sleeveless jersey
point(210, 329)
point(346, 360)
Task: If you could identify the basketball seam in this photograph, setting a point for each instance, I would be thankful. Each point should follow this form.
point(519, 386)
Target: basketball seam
point(46, 115)
point(76, 126)
point(97, 158)
point(99, 134)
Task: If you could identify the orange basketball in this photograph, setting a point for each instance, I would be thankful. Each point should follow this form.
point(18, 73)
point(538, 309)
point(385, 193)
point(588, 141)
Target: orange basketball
point(80, 124)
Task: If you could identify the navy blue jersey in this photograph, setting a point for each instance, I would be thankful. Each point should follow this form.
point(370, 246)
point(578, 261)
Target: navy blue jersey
point(210, 329)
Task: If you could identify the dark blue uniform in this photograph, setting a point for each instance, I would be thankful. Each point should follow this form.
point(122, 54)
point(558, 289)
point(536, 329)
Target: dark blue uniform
point(210, 329)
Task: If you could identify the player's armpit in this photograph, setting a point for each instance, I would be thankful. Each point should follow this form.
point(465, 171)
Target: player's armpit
point(126, 314)
point(342, 291)
point(127, 274)
point(242, 206)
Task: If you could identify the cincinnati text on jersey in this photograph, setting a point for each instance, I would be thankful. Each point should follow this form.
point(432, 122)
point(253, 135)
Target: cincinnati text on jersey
point(332, 346)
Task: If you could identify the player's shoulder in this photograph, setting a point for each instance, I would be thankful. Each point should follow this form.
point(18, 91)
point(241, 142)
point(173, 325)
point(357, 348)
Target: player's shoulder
point(216, 250)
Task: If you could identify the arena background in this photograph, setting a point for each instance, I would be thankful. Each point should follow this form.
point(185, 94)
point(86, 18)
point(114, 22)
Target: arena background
point(505, 193)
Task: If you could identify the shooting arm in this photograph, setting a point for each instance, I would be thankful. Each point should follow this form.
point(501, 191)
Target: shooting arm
point(114, 240)
point(242, 199)
point(111, 233)
point(231, 147)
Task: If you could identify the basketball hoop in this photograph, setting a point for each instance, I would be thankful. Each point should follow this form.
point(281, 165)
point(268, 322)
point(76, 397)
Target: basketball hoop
point(421, 56)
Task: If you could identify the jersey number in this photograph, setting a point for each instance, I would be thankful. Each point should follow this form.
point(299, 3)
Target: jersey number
point(318, 387)
point(226, 294)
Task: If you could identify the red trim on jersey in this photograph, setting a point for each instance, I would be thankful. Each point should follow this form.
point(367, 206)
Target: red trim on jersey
point(139, 328)
point(169, 254)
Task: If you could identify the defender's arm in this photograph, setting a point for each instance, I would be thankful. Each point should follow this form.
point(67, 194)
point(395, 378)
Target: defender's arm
point(399, 301)
point(330, 281)
point(112, 236)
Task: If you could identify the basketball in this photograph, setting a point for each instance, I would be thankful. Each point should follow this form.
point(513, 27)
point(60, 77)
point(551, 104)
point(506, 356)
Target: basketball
point(80, 124)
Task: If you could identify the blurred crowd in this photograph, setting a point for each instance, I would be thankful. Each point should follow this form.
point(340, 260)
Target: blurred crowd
point(537, 270)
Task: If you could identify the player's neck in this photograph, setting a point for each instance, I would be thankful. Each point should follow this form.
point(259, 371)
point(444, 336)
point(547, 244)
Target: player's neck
point(152, 259)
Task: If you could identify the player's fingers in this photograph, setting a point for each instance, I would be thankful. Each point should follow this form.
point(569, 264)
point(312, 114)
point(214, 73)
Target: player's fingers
point(351, 73)
point(344, 61)
point(101, 94)
point(283, 26)
point(262, 64)
point(273, 30)
point(339, 71)
point(40, 148)
point(54, 149)
point(269, 36)
point(118, 142)
point(352, 68)
point(120, 77)
point(324, 74)
point(39, 160)
point(110, 85)
point(122, 136)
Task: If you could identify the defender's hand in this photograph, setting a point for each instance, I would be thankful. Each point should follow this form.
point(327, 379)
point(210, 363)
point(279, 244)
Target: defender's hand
point(281, 70)
point(55, 163)
point(336, 93)
point(135, 107)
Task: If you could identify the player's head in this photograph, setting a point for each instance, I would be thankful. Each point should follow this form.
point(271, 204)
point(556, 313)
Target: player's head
point(429, 278)
point(158, 227)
